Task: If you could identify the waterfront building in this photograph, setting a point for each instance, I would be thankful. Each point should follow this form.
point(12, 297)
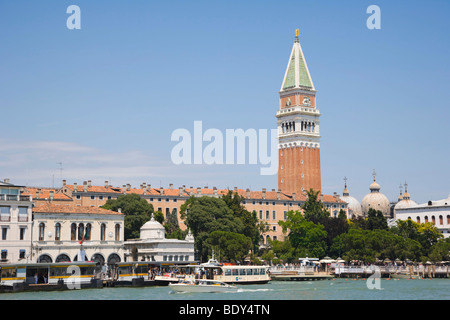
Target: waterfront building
point(298, 128)
point(434, 211)
point(15, 223)
point(375, 200)
point(354, 207)
point(270, 206)
point(64, 232)
point(154, 247)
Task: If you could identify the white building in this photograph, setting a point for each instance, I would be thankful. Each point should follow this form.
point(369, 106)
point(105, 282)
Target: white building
point(15, 223)
point(436, 212)
point(65, 232)
point(153, 246)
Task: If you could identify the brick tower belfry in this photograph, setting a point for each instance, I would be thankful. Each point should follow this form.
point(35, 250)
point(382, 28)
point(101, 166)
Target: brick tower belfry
point(298, 128)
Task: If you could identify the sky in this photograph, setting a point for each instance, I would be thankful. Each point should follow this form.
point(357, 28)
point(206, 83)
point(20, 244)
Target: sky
point(101, 102)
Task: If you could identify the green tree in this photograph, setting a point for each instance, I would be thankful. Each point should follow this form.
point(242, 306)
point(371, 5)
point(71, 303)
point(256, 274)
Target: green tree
point(228, 245)
point(249, 219)
point(204, 215)
point(306, 237)
point(376, 220)
point(137, 211)
point(313, 208)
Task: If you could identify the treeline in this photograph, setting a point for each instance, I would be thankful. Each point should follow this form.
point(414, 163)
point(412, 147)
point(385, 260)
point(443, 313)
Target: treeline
point(316, 234)
point(224, 226)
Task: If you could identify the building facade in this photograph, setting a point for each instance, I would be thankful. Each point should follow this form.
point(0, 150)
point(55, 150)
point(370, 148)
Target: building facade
point(76, 233)
point(436, 212)
point(15, 223)
point(153, 246)
point(298, 128)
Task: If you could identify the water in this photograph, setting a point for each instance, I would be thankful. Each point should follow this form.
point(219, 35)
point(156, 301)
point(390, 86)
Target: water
point(336, 289)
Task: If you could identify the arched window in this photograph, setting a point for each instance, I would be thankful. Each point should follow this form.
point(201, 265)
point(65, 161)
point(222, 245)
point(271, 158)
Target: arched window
point(73, 232)
point(102, 232)
point(418, 219)
point(117, 232)
point(433, 220)
point(426, 219)
point(41, 231)
point(80, 231)
point(88, 231)
point(448, 219)
point(58, 231)
point(441, 220)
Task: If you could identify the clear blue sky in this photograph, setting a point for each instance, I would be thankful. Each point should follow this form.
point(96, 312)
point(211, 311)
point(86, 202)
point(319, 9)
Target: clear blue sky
point(105, 99)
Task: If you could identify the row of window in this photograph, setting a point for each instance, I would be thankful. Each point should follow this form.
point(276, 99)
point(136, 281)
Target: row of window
point(433, 220)
point(176, 258)
point(79, 232)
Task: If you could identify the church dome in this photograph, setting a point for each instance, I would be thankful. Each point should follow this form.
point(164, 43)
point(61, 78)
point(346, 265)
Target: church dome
point(405, 201)
point(354, 207)
point(375, 200)
point(152, 230)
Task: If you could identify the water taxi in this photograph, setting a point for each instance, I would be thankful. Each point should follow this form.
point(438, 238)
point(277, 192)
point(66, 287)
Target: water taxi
point(229, 273)
point(202, 285)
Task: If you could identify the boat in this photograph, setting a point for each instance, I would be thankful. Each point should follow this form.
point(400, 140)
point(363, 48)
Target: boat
point(202, 285)
point(48, 276)
point(228, 273)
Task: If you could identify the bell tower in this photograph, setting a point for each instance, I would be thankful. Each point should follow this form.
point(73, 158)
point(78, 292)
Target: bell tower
point(298, 128)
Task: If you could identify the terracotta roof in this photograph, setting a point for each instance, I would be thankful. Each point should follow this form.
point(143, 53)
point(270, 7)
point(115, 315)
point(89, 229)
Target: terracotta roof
point(186, 192)
point(59, 208)
point(44, 193)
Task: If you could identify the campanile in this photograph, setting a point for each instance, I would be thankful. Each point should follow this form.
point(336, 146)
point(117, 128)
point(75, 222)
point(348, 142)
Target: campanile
point(298, 128)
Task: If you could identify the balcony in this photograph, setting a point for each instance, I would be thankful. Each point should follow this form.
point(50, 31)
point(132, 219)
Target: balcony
point(10, 197)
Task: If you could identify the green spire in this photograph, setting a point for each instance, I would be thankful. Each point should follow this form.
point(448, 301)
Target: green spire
point(297, 74)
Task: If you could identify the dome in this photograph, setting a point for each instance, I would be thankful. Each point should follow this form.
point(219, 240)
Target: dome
point(354, 207)
point(375, 200)
point(405, 201)
point(153, 230)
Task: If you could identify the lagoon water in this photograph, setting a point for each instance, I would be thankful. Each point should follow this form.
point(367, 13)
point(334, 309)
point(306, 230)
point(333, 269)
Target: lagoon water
point(336, 289)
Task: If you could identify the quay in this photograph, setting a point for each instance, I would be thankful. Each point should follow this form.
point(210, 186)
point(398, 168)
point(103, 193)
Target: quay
point(399, 272)
point(298, 273)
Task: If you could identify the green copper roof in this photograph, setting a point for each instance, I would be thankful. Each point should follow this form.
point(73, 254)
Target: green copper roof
point(297, 74)
point(289, 82)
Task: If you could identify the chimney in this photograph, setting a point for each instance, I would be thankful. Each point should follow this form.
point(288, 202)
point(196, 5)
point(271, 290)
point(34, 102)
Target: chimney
point(161, 190)
point(84, 186)
point(248, 193)
point(171, 186)
point(293, 196)
point(235, 189)
point(180, 191)
point(128, 187)
point(37, 193)
point(149, 188)
point(106, 184)
point(124, 188)
point(119, 210)
point(199, 190)
point(264, 193)
point(321, 197)
point(278, 194)
point(64, 182)
point(51, 195)
point(336, 196)
point(191, 191)
point(215, 190)
point(75, 186)
point(6, 180)
point(89, 183)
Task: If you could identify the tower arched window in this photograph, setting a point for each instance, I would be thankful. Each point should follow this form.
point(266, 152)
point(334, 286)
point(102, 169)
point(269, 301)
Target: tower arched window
point(80, 231)
point(88, 231)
